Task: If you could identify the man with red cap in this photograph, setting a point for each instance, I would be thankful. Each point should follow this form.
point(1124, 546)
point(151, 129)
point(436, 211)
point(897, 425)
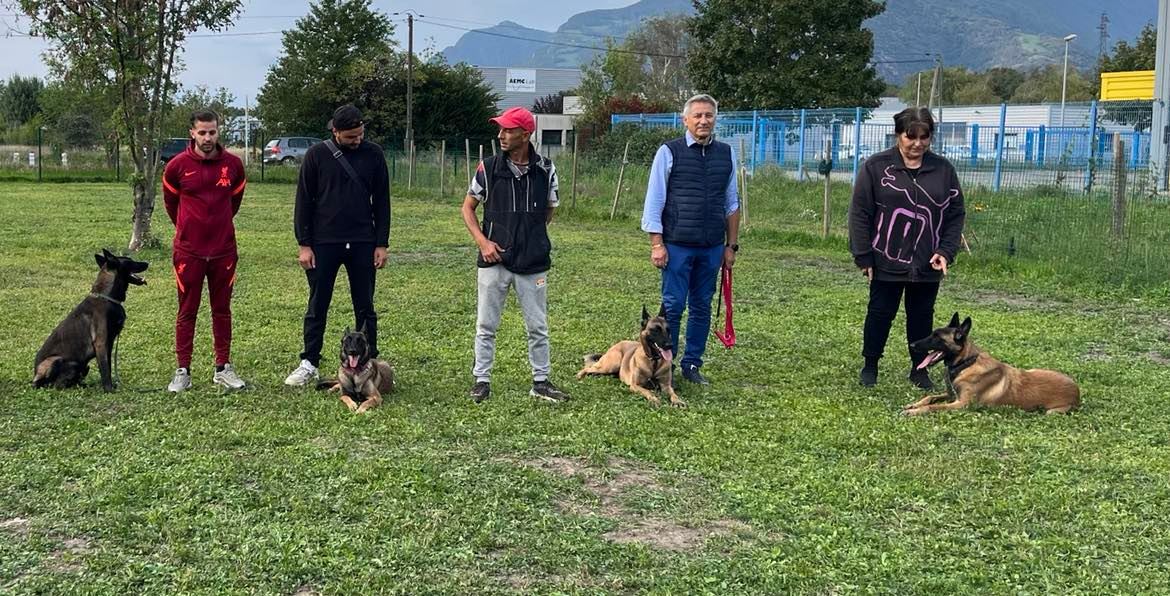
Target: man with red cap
point(518, 192)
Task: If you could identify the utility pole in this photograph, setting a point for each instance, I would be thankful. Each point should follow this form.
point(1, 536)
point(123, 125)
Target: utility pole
point(935, 83)
point(409, 81)
point(918, 93)
point(1103, 29)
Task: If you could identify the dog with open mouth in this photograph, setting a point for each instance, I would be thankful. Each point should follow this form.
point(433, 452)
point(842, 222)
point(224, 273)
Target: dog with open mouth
point(644, 365)
point(976, 378)
point(91, 330)
point(361, 380)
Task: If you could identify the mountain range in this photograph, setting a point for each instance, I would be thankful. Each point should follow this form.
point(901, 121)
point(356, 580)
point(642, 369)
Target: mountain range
point(978, 34)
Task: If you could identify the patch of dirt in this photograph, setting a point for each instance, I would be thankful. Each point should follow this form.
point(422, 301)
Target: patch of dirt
point(1096, 353)
point(65, 558)
point(1158, 358)
point(306, 590)
point(16, 525)
point(610, 485)
point(1018, 301)
point(668, 535)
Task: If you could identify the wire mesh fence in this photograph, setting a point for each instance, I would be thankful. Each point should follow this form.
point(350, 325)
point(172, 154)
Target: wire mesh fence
point(1077, 202)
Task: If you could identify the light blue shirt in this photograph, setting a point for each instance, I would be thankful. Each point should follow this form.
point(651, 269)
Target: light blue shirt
point(656, 189)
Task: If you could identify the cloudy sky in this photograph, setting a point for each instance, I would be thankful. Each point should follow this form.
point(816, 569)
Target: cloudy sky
point(239, 62)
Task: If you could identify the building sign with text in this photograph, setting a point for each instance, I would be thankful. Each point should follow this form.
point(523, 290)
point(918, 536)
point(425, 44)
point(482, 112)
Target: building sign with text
point(521, 80)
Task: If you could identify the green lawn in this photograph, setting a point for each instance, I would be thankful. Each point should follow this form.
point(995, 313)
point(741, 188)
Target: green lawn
point(783, 476)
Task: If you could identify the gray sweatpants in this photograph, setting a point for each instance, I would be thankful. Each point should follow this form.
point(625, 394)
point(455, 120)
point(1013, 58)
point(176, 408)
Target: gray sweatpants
point(532, 293)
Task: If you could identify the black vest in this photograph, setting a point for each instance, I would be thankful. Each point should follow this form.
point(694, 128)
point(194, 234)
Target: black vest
point(696, 194)
point(514, 213)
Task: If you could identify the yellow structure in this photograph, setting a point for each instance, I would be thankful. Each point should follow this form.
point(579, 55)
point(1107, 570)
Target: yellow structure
point(1132, 84)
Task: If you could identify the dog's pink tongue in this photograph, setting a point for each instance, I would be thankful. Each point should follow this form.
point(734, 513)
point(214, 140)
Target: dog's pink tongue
point(353, 361)
point(667, 355)
point(931, 358)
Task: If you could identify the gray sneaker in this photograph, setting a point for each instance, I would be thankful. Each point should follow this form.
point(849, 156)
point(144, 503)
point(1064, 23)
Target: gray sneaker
point(181, 381)
point(304, 374)
point(228, 378)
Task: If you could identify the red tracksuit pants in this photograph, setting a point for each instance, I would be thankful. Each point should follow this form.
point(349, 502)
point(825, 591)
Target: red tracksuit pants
point(221, 277)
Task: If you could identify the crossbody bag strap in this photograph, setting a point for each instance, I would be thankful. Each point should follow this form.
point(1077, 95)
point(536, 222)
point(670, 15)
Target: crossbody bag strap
point(340, 157)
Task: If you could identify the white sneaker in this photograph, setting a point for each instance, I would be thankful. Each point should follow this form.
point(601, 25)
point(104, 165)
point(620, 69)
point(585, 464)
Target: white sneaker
point(181, 382)
point(303, 375)
point(228, 378)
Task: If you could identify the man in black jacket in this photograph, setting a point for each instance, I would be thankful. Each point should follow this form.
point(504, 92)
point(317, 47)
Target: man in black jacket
point(518, 191)
point(342, 217)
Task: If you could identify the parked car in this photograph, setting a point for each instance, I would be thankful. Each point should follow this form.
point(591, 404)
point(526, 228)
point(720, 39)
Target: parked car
point(288, 150)
point(170, 148)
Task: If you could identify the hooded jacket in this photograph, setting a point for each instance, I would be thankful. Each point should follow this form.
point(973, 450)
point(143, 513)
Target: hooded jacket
point(898, 219)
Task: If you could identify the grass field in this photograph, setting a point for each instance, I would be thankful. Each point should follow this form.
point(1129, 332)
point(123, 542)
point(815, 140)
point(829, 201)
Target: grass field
point(783, 476)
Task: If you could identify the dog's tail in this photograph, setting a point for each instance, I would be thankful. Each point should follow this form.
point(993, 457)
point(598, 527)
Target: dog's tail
point(591, 359)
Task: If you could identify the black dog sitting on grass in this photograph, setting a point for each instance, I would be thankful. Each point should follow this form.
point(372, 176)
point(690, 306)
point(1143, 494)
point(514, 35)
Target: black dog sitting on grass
point(91, 329)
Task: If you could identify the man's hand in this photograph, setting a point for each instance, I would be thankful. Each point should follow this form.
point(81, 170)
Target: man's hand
point(728, 257)
point(868, 273)
point(658, 256)
point(939, 263)
point(380, 256)
point(490, 251)
point(306, 258)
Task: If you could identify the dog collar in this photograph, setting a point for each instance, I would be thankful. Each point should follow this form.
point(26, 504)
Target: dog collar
point(95, 295)
point(953, 370)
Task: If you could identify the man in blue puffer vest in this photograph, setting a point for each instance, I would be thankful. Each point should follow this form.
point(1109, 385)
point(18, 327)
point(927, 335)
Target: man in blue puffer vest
point(692, 216)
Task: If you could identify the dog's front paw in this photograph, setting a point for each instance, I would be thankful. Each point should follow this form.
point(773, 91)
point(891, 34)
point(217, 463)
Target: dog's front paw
point(677, 403)
point(909, 411)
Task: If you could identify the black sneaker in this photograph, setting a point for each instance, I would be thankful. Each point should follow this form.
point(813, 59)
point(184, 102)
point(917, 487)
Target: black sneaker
point(548, 392)
point(868, 377)
point(921, 379)
point(480, 391)
point(690, 372)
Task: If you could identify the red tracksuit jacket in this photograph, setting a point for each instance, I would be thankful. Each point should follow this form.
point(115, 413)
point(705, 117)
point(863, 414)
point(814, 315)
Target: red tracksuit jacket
point(202, 195)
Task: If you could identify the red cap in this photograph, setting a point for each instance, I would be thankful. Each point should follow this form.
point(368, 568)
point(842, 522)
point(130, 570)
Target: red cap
point(516, 118)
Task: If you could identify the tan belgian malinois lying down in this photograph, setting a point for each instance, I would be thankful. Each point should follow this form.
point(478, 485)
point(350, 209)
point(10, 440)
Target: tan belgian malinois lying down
point(644, 364)
point(975, 378)
point(361, 380)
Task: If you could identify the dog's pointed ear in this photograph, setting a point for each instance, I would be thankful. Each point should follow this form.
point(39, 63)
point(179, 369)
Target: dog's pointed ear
point(347, 330)
point(662, 311)
point(362, 330)
point(645, 316)
point(964, 330)
point(101, 260)
point(954, 320)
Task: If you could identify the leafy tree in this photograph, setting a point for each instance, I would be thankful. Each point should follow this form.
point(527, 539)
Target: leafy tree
point(1043, 85)
point(1003, 82)
point(341, 46)
point(20, 99)
point(779, 54)
point(81, 114)
point(1139, 56)
point(553, 103)
point(132, 48)
point(221, 102)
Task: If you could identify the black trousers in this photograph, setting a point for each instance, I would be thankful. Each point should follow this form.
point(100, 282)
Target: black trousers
point(884, 298)
point(358, 259)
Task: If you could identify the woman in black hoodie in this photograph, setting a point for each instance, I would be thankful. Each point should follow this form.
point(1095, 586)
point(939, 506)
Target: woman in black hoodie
point(905, 226)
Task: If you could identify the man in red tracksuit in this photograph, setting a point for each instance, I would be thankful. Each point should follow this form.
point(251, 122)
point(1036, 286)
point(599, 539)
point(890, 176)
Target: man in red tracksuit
point(202, 189)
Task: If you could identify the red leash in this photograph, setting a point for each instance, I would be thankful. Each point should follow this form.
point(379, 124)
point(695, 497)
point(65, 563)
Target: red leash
point(727, 336)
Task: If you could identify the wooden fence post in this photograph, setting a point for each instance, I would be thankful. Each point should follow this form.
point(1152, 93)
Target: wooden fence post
point(621, 174)
point(1119, 199)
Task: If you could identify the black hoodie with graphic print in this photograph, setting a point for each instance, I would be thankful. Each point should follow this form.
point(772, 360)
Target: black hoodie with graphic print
point(899, 219)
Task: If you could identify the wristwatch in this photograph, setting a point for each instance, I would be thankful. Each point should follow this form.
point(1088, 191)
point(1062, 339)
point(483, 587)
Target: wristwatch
point(733, 247)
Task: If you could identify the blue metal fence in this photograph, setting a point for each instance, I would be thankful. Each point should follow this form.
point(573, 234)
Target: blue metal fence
point(995, 146)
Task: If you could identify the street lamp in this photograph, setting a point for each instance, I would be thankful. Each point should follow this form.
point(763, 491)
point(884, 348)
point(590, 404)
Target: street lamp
point(1064, 80)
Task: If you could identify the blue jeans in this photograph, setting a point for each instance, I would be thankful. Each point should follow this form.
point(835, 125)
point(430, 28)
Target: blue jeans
point(689, 278)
